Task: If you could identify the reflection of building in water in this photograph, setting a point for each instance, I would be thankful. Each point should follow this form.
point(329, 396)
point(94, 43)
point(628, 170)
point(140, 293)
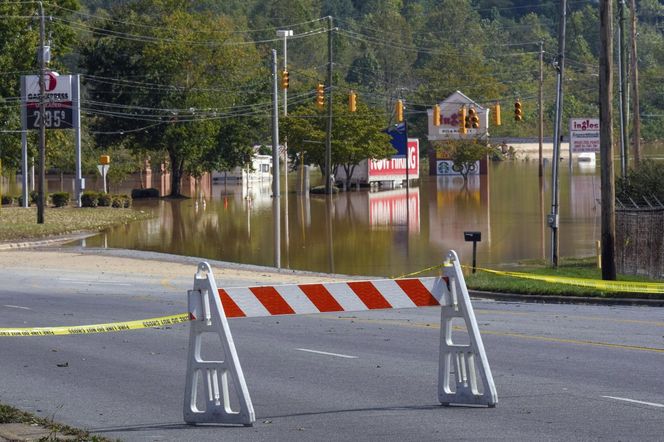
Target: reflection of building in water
point(456, 207)
point(396, 209)
point(260, 170)
point(258, 192)
point(585, 195)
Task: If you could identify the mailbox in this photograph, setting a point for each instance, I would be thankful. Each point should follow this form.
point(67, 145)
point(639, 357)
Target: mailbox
point(472, 236)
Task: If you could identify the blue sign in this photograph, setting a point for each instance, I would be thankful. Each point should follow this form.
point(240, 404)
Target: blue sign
point(398, 134)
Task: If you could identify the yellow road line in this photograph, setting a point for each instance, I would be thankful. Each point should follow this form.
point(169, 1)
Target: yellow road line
point(565, 316)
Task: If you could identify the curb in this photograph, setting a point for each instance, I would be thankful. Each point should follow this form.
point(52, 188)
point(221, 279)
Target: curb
point(43, 242)
point(545, 299)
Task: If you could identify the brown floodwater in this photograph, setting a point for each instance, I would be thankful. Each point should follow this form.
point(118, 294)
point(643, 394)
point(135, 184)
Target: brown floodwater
point(381, 233)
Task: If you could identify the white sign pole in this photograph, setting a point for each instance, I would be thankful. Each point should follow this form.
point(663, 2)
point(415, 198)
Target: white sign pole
point(103, 170)
point(76, 117)
point(24, 143)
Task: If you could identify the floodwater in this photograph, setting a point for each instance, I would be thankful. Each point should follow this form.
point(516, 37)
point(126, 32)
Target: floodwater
point(378, 233)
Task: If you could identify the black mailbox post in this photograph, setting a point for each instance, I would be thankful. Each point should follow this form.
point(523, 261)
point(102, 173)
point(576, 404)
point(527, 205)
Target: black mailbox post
point(474, 237)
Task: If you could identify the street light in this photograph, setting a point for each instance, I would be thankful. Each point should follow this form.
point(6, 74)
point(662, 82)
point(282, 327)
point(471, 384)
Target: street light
point(285, 33)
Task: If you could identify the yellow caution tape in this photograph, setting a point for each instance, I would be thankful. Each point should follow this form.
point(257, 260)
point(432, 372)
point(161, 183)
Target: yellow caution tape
point(408, 275)
point(612, 286)
point(96, 328)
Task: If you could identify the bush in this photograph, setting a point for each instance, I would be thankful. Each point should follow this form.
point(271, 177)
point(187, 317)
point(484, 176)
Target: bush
point(641, 182)
point(34, 196)
point(89, 199)
point(7, 200)
point(145, 193)
point(104, 199)
point(121, 201)
point(60, 199)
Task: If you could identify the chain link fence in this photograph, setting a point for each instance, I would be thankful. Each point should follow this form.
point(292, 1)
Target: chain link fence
point(640, 237)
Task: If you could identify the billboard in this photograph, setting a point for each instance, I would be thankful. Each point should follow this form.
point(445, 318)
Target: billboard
point(584, 135)
point(397, 164)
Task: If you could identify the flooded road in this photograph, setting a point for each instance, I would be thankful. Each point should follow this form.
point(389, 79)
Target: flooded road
point(383, 233)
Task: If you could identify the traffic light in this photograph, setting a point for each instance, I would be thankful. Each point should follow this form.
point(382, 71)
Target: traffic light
point(284, 79)
point(320, 95)
point(352, 102)
point(473, 119)
point(436, 115)
point(518, 113)
point(496, 114)
point(399, 111)
point(462, 120)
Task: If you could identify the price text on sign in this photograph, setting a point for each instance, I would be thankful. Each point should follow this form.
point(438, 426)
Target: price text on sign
point(54, 118)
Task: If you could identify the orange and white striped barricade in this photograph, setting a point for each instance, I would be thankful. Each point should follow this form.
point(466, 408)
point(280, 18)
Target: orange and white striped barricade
point(464, 373)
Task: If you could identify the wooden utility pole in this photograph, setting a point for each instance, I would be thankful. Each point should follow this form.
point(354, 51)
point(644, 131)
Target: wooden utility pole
point(541, 107)
point(606, 139)
point(41, 184)
point(636, 126)
point(622, 88)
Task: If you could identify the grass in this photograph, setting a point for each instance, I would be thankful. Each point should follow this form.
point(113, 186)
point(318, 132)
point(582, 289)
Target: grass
point(583, 268)
point(20, 224)
point(13, 415)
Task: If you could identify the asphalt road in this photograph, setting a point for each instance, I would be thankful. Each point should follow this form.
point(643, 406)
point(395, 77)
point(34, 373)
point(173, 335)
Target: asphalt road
point(563, 372)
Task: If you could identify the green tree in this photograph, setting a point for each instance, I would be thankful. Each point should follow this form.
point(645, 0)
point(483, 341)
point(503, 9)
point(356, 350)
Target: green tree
point(356, 136)
point(19, 40)
point(465, 153)
point(167, 83)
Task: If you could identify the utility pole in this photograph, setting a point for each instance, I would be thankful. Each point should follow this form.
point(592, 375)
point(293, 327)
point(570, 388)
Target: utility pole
point(275, 126)
point(541, 107)
point(606, 139)
point(636, 127)
point(276, 207)
point(285, 33)
point(622, 88)
point(553, 218)
point(328, 137)
point(41, 200)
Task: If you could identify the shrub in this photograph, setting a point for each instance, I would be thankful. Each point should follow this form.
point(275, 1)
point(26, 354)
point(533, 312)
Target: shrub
point(145, 193)
point(7, 200)
point(104, 199)
point(641, 182)
point(89, 199)
point(121, 201)
point(34, 196)
point(60, 199)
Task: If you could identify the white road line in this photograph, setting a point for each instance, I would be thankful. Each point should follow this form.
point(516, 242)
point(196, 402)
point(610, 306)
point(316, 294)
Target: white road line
point(652, 404)
point(17, 306)
point(326, 353)
point(78, 281)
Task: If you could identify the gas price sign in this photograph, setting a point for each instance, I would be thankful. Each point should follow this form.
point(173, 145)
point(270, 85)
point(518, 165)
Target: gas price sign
point(57, 102)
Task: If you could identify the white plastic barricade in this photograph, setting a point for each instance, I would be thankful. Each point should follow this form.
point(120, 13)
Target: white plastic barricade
point(464, 376)
point(207, 316)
